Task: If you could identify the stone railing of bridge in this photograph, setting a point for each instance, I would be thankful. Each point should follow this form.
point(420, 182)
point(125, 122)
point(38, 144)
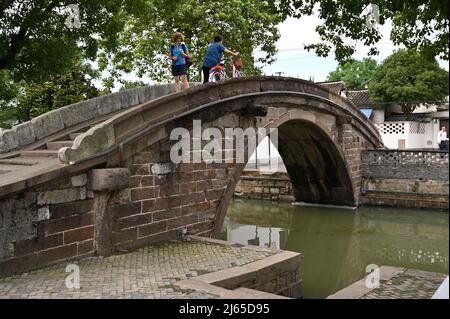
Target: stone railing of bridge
point(120, 127)
point(54, 121)
point(415, 164)
point(402, 178)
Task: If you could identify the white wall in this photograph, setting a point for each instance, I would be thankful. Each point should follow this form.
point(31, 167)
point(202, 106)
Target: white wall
point(414, 134)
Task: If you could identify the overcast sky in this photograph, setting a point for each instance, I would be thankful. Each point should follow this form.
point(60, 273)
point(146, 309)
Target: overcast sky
point(293, 60)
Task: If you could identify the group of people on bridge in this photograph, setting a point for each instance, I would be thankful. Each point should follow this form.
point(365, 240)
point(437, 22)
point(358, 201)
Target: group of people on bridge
point(179, 55)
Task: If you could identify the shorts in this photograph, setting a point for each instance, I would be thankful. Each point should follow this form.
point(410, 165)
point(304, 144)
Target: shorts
point(178, 69)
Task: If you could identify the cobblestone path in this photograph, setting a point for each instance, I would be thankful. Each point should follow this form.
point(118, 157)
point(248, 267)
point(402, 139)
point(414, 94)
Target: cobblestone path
point(411, 284)
point(146, 273)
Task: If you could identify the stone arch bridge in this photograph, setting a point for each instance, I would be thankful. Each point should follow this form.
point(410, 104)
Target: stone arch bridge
point(96, 177)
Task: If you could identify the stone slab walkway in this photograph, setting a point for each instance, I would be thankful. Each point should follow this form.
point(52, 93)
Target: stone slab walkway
point(149, 272)
point(395, 283)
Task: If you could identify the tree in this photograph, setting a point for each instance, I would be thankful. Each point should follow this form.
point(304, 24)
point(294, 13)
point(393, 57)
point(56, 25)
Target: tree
point(8, 95)
point(132, 35)
point(72, 87)
point(408, 78)
point(417, 24)
point(354, 73)
point(38, 40)
point(126, 85)
point(247, 25)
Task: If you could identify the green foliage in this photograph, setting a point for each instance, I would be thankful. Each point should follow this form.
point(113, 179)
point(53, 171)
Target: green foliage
point(74, 86)
point(8, 94)
point(131, 85)
point(245, 24)
point(36, 43)
point(408, 77)
point(131, 35)
point(417, 24)
point(354, 73)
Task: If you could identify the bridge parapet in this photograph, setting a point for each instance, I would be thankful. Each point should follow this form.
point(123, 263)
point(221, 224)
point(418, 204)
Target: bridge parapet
point(167, 108)
point(54, 121)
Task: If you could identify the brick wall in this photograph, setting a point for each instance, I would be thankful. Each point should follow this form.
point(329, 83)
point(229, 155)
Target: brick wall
point(353, 143)
point(389, 164)
point(410, 179)
point(46, 225)
point(164, 198)
point(273, 187)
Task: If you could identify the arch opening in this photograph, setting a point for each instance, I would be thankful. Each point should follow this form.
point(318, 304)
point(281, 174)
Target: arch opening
point(317, 170)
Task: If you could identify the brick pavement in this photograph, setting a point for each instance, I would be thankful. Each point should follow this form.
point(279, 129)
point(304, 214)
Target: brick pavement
point(395, 283)
point(410, 284)
point(149, 272)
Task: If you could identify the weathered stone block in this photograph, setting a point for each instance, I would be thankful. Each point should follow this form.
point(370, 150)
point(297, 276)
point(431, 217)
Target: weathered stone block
point(25, 133)
point(109, 103)
point(79, 180)
point(8, 141)
point(43, 213)
point(108, 179)
point(48, 123)
point(79, 112)
point(129, 98)
point(96, 139)
point(61, 196)
point(162, 168)
point(21, 232)
point(23, 216)
point(145, 94)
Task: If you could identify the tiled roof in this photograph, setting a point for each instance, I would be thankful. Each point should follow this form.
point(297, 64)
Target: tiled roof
point(335, 86)
point(360, 98)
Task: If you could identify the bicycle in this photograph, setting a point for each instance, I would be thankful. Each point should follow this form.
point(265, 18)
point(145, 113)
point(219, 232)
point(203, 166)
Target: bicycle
point(217, 73)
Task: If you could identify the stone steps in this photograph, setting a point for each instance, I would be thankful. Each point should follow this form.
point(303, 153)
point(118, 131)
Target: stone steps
point(56, 145)
point(41, 153)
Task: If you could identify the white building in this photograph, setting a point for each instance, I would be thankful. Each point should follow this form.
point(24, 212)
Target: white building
point(419, 131)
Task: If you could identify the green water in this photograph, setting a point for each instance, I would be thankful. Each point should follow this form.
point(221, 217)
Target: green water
point(338, 245)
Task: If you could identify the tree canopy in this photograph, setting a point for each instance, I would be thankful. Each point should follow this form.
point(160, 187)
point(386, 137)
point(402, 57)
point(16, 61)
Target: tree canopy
point(409, 78)
point(39, 45)
point(417, 24)
point(247, 25)
point(354, 73)
point(131, 35)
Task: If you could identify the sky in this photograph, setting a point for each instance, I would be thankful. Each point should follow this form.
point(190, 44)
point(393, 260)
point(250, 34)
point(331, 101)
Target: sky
point(294, 61)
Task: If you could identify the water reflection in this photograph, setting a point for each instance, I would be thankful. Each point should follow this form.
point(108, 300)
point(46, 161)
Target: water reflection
point(337, 245)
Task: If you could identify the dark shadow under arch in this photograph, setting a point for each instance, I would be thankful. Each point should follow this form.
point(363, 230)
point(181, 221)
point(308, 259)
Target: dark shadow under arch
point(317, 170)
point(314, 164)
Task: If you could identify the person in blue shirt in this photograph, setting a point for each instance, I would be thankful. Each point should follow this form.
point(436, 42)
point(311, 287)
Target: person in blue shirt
point(178, 53)
point(214, 56)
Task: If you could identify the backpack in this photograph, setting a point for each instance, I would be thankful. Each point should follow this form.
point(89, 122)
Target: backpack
point(188, 59)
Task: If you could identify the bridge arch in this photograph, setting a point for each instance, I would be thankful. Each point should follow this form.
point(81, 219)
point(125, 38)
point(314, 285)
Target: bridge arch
point(314, 161)
point(321, 136)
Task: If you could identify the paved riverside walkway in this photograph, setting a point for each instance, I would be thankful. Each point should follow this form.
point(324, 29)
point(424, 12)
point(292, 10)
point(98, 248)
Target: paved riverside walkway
point(149, 272)
point(395, 283)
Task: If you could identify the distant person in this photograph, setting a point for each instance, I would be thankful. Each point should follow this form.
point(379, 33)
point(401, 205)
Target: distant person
point(443, 139)
point(178, 53)
point(214, 56)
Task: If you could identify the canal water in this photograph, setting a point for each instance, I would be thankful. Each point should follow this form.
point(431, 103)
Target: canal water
point(338, 245)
